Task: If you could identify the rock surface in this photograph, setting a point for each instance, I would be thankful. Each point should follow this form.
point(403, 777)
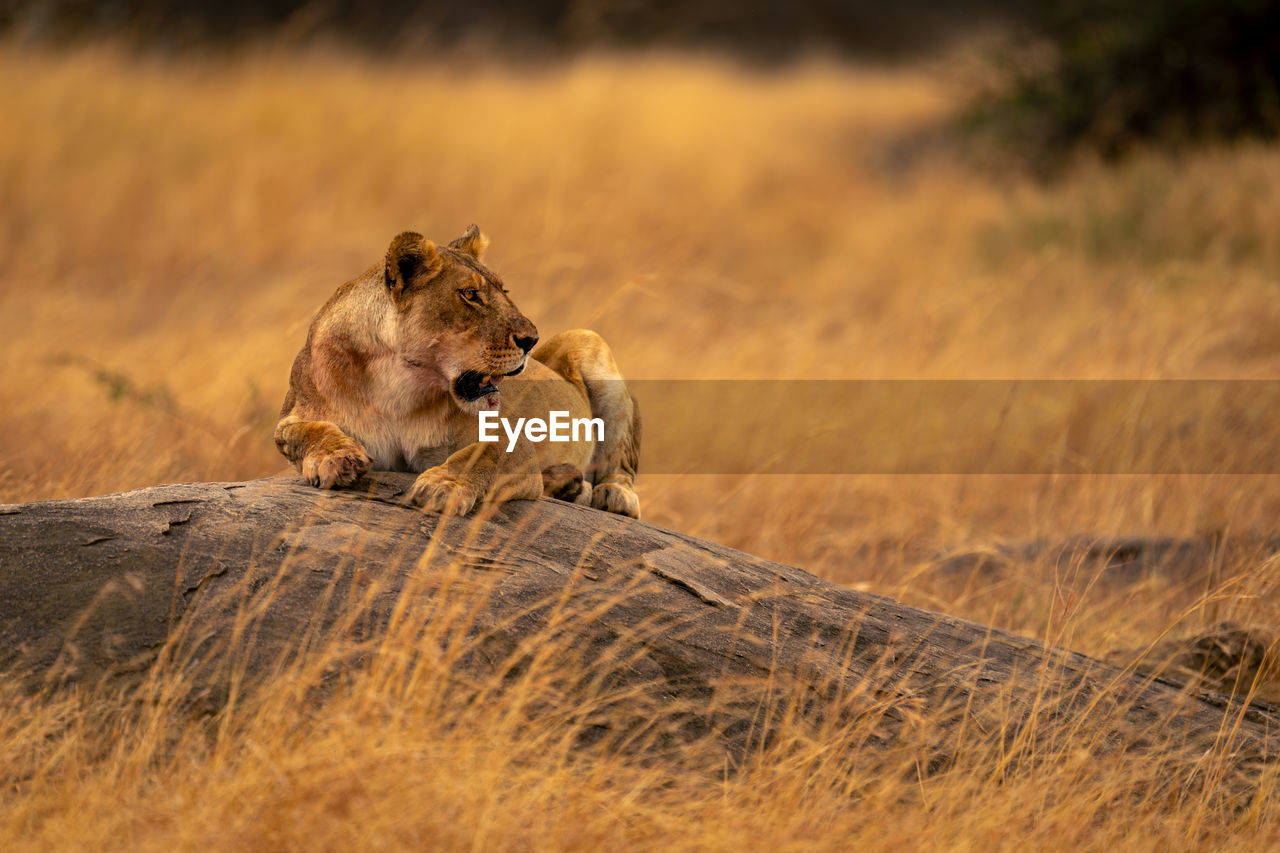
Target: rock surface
point(97, 590)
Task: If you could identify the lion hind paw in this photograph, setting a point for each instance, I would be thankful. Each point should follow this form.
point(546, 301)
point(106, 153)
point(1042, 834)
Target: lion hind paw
point(614, 497)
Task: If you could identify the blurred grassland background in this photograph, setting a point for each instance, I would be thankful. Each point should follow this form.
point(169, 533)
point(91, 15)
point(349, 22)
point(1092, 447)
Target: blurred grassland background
point(171, 222)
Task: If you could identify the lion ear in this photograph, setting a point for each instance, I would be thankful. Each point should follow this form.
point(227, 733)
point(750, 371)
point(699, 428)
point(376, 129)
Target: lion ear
point(472, 242)
point(410, 258)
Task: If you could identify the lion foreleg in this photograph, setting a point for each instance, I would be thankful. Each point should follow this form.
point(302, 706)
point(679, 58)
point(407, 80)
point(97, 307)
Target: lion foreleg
point(322, 453)
point(478, 472)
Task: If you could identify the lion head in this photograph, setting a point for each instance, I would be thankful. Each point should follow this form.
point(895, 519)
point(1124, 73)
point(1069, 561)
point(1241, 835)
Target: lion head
point(456, 318)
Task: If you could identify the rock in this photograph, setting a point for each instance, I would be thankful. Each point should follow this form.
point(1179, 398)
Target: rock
point(227, 582)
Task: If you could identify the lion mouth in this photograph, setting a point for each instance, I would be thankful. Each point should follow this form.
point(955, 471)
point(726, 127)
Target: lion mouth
point(473, 385)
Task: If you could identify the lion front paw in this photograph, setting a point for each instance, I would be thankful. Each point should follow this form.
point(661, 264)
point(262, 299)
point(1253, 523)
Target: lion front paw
point(338, 467)
point(563, 482)
point(438, 491)
point(614, 497)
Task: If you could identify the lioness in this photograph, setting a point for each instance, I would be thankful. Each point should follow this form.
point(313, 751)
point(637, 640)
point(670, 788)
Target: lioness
point(400, 362)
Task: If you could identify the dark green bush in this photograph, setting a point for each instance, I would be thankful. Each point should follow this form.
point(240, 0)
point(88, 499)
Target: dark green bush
point(1121, 72)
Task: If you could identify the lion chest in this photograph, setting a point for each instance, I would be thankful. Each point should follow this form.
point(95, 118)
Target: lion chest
point(403, 421)
point(404, 445)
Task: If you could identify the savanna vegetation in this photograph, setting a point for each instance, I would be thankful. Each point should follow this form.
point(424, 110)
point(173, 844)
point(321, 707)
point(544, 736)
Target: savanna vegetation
point(1108, 75)
point(170, 226)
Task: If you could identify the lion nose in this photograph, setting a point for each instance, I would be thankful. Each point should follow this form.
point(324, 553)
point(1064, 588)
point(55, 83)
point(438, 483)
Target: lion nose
point(525, 342)
point(526, 337)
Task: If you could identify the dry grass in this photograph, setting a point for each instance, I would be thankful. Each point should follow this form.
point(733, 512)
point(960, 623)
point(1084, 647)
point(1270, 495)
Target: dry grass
point(169, 229)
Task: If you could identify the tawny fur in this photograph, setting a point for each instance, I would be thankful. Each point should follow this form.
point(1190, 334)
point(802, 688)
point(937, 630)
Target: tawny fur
point(399, 363)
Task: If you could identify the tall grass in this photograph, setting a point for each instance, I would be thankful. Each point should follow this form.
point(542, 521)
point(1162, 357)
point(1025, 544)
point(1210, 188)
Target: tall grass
point(428, 734)
point(169, 228)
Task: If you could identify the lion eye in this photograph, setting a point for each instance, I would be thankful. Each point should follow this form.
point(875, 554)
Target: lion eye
point(471, 295)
